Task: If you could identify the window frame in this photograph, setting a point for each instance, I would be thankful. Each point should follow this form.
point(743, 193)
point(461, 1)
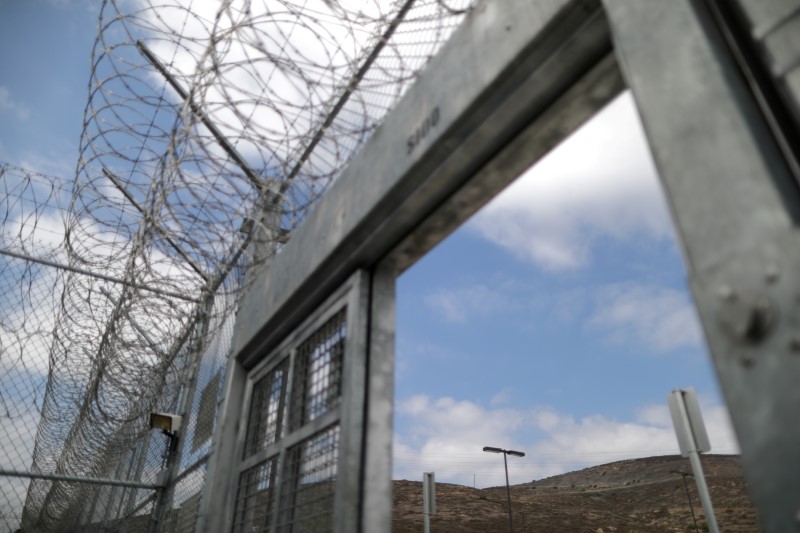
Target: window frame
point(352, 297)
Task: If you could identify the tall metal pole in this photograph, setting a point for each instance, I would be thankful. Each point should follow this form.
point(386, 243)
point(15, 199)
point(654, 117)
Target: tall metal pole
point(162, 507)
point(688, 496)
point(508, 493)
point(505, 453)
point(702, 489)
point(428, 499)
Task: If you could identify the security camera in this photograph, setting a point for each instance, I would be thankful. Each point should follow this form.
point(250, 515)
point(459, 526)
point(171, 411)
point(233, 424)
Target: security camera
point(166, 421)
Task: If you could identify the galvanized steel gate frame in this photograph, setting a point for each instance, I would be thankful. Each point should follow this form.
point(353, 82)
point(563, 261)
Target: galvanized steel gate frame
point(718, 91)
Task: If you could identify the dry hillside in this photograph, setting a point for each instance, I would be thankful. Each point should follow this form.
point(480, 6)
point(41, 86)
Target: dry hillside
point(639, 495)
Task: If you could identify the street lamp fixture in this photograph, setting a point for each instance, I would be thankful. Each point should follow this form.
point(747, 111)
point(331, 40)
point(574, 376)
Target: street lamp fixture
point(506, 453)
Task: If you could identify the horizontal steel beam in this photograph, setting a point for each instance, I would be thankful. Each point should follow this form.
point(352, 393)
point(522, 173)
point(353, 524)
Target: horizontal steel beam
point(97, 275)
point(80, 479)
point(522, 57)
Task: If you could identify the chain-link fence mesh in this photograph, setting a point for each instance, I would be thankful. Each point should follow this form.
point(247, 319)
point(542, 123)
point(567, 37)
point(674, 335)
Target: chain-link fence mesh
point(31, 210)
point(210, 131)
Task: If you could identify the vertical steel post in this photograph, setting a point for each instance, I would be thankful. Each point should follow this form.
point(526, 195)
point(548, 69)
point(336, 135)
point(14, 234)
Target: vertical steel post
point(688, 495)
point(426, 507)
point(691, 505)
point(697, 468)
point(508, 493)
point(144, 447)
point(492, 449)
point(174, 453)
point(736, 206)
point(702, 489)
point(377, 502)
point(219, 486)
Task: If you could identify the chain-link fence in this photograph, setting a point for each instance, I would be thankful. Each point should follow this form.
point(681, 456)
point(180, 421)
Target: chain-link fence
point(211, 130)
point(32, 206)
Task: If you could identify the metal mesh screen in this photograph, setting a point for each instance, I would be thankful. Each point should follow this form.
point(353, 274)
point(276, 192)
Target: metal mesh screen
point(267, 408)
point(318, 371)
point(309, 484)
point(306, 482)
point(137, 521)
point(187, 468)
point(31, 225)
point(185, 504)
point(12, 496)
point(206, 412)
point(255, 497)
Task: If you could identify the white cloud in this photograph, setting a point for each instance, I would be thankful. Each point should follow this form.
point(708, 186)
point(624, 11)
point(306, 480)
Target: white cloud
point(599, 183)
point(450, 416)
point(654, 415)
point(40, 233)
point(546, 418)
point(460, 304)
point(447, 435)
point(643, 316)
point(7, 104)
point(55, 160)
point(29, 314)
point(17, 435)
point(501, 398)
point(660, 319)
point(597, 439)
point(280, 65)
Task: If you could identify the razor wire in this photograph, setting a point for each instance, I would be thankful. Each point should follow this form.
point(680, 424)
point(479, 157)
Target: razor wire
point(210, 131)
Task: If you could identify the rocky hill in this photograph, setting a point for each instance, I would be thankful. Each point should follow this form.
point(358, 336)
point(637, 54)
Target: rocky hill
point(638, 495)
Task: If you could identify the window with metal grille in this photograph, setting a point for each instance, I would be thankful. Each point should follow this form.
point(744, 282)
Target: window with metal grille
point(317, 383)
point(290, 444)
point(309, 484)
point(267, 409)
point(254, 498)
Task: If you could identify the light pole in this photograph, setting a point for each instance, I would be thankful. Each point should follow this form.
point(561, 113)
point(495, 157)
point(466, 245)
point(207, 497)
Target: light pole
point(688, 496)
point(506, 453)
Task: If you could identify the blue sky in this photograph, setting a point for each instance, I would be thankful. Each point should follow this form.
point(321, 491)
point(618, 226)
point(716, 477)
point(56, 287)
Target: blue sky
point(555, 322)
point(44, 76)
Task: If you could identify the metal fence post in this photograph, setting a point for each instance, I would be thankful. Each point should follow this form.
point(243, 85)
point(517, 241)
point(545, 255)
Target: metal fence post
point(164, 499)
point(142, 459)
